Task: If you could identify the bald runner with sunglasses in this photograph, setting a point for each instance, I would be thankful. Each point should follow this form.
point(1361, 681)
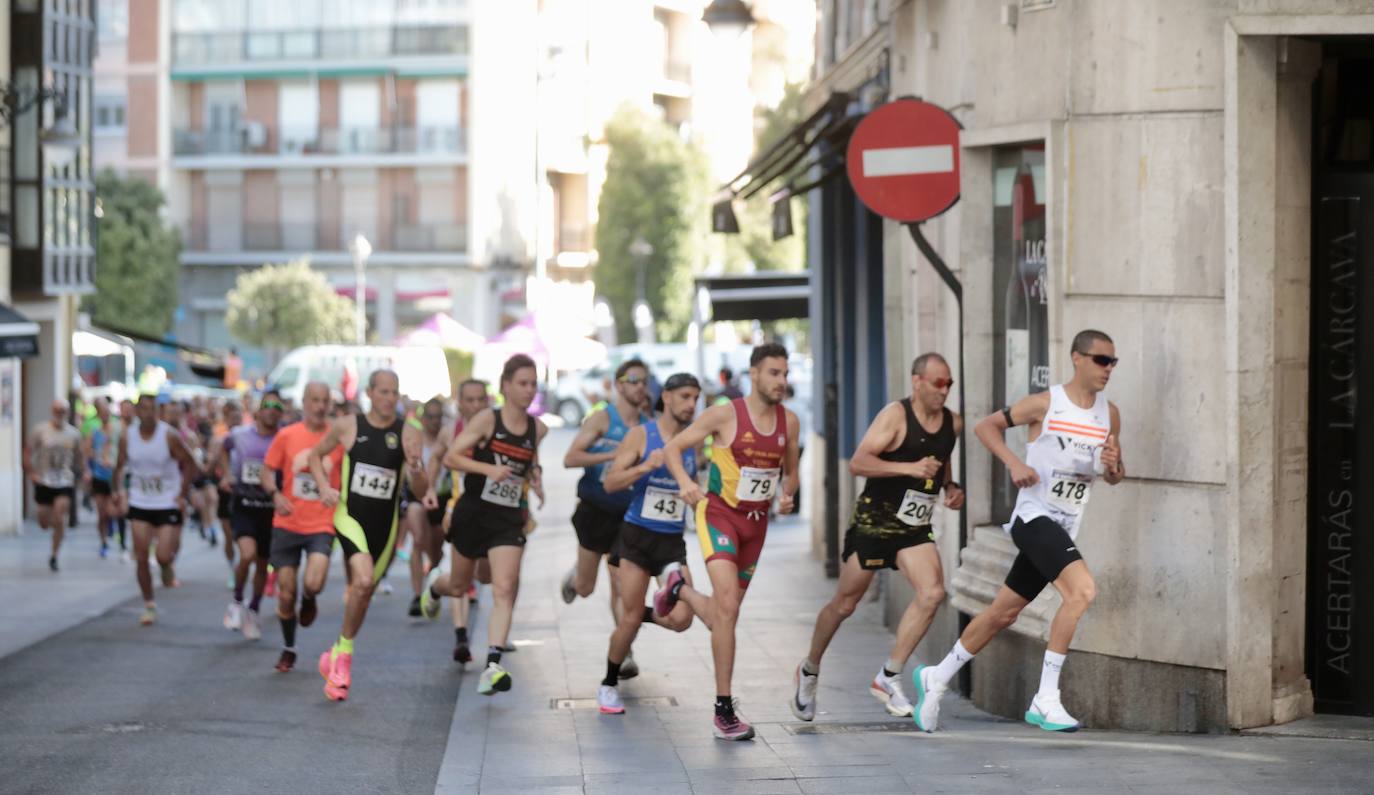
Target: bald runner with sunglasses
point(905, 457)
point(1073, 433)
point(599, 513)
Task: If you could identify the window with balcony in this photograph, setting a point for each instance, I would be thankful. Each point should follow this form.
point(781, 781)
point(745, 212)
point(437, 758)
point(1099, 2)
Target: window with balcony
point(437, 115)
point(298, 114)
point(109, 115)
point(112, 20)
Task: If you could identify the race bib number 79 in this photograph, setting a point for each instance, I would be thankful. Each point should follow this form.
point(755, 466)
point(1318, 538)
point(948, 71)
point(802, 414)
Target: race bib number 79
point(373, 481)
point(757, 485)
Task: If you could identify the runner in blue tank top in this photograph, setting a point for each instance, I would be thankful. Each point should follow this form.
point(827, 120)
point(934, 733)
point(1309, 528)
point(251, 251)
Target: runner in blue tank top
point(599, 512)
point(651, 540)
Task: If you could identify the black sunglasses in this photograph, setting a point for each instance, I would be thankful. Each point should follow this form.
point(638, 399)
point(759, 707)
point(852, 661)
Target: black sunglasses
point(1101, 359)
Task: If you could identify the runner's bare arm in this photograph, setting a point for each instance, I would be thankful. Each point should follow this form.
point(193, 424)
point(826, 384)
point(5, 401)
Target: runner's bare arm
point(476, 432)
point(190, 470)
point(271, 464)
point(1113, 467)
point(882, 436)
point(121, 460)
point(626, 468)
point(331, 440)
point(434, 470)
point(413, 443)
point(791, 461)
point(711, 421)
point(954, 493)
point(992, 432)
point(593, 428)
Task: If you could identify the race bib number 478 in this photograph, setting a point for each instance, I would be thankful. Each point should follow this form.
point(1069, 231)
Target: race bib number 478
point(1068, 491)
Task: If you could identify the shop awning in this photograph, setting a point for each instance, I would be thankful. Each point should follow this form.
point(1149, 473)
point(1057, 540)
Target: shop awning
point(18, 334)
point(758, 296)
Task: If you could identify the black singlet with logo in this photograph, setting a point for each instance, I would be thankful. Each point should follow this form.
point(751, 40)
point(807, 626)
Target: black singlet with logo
point(505, 500)
point(889, 502)
point(372, 473)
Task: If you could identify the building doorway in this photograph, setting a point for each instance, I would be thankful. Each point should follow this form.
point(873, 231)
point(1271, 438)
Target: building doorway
point(1340, 546)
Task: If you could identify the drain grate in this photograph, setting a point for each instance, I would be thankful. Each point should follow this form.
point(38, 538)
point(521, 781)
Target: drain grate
point(632, 701)
point(850, 728)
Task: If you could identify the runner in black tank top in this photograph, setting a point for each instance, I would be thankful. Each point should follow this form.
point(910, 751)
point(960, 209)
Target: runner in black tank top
point(905, 456)
point(498, 451)
point(378, 447)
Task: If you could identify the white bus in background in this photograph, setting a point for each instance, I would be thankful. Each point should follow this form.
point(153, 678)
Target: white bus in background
point(423, 371)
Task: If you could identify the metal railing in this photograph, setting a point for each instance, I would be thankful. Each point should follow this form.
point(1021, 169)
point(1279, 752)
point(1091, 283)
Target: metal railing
point(300, 237)
point(192, 49)
point(337, 141)
point(279, 236)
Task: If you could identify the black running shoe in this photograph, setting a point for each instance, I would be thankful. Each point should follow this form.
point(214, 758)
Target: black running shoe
point(414, 611)
point(461, 653)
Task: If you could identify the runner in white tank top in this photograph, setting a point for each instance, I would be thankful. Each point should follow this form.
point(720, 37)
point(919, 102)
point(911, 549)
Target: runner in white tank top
point(161, 469)
point(1074, 434)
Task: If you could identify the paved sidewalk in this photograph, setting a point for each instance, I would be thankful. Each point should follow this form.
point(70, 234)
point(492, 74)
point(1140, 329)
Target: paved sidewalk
point(530, 741)
point(36, 603)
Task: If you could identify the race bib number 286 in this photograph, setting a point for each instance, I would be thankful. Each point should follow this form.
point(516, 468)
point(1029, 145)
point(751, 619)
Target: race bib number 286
point(505, 493)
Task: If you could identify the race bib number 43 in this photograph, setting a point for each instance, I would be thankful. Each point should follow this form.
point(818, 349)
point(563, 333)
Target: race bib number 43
point(373, 481)
point(1068, 491)
point(757, 485)
point(917, 508)
point(662, 505)
point(505, 493)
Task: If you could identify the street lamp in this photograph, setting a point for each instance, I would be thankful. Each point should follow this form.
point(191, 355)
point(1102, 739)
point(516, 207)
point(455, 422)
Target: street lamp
point(62, 140)
point(727, 17)
point(643, 317)
point(361, 250)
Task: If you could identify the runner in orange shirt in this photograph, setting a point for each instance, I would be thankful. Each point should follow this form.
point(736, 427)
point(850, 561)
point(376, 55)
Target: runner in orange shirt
point(300, 522)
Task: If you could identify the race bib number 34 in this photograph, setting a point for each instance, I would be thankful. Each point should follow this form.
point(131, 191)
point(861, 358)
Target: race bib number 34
point(917, 508)
point(373, 481)
point(757, 485)
point(1068, 491)
point(505, 493)
point(662, 505)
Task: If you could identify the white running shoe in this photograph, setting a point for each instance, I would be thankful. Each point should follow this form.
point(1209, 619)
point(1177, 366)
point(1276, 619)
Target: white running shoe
point(926, 712)
point(566, 589)
point(608, 699)
point(252, 629)
point(494, 679)
point(629, 669)
point(804, 700)
point(386, 588)
point(1047, 712)
point(889, 691)
point(233, 617)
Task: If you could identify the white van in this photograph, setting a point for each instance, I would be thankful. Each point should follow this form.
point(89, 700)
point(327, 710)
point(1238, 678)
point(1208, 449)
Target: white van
point(423, 370)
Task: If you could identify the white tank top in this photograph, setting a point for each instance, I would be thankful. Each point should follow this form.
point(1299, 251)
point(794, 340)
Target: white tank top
point(1065, 456)
point(154, 475)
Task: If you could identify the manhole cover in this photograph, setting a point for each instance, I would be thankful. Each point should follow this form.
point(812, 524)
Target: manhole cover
point(632, 701)
point(849, 728)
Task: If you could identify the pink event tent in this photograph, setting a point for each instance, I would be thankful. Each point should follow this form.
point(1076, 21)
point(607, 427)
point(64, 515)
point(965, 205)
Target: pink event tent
point(445, 332)
point(551, 346)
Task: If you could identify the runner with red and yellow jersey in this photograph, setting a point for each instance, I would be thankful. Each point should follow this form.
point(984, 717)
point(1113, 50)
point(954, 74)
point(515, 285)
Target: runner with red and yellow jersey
point(754, 461)
point(301, 522)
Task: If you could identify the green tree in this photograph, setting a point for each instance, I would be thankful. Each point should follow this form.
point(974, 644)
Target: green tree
point(655, 189)
point(285, 306)
point(136, 277)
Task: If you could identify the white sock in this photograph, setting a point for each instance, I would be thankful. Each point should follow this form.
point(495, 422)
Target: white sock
point(1049, 672)
point(894, 666)
point(952, 662)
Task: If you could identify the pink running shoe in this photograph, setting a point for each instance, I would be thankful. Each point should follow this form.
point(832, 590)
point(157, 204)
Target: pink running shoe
point(326, 663)
point(666, 597)
point(730, 727)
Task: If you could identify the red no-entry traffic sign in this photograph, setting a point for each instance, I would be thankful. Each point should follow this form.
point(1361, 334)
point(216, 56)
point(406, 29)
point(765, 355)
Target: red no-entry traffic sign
point(903, 160)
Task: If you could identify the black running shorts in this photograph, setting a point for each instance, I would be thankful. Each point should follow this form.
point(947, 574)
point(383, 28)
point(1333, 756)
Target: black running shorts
point(1045, 549)
point(474, 530)
point(596, 527)
point(44, 495)
point(878, 550)
point(647, 549)
point(252, 522)
point(157, 517)
point(100, 487)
